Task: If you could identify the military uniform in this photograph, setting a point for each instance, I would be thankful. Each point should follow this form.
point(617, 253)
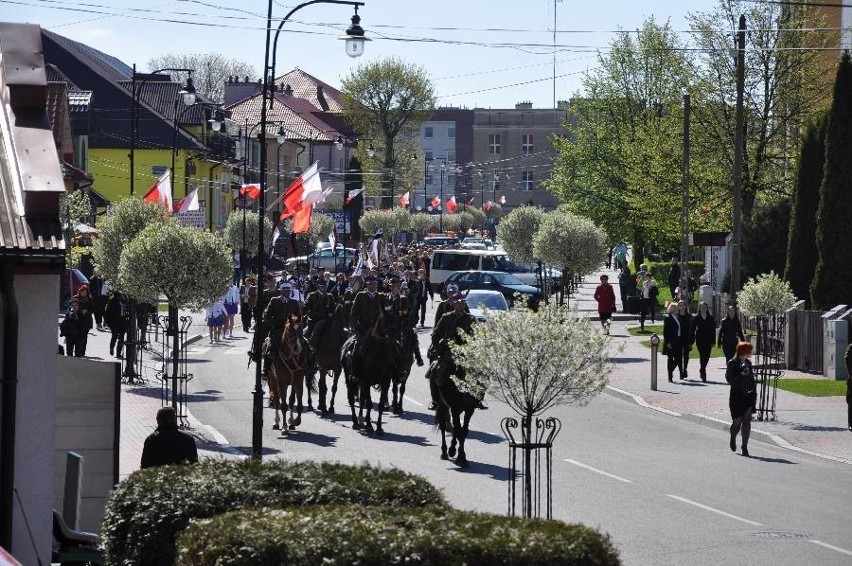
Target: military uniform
point(366, 310)
point(449, 327)
point(396, 313)
point(348, 300)
point(444, 307)
point(320, 306)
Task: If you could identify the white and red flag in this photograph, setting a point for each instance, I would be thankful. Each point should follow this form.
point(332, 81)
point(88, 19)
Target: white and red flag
point(451, 205)
point(189, 202)
point(403, 200)
point(436, 202)
point(252, 191)
point(303, 192)
point(302, 219)
point(471, 200)
point(161, 192)
point(353, 194)
point(487, 206)
point(502, 199)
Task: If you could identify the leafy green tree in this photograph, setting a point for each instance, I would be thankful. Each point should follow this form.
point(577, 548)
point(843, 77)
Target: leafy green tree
point(764, 248)
point(495, 211)
point(801, 245)
point(517, 230)
point(234, 233)
point(321, 227)
point(209, 71)
point(191, 267)
point(834, 230)
point(478, 216)
point(74, 207)
point(466, 221)
point(387, 101)
point(571, 242)
point(422, 223)
point(128, 218)
point(374, 220)
point(450, 222)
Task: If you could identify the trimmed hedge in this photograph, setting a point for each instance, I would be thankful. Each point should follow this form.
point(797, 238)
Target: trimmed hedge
point(660, 270)
point(147, 510)
point(351, 535)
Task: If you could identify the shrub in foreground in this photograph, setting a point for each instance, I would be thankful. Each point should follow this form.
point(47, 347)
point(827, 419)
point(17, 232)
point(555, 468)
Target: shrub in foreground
point(147, 510)
point(358, 535)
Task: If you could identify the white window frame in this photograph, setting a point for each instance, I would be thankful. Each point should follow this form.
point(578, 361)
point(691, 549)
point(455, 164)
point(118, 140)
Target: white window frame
point(527, 180)
point(494, 144)
point(527, 144)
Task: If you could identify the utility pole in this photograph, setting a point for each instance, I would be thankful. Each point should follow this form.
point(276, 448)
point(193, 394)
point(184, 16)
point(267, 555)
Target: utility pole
point(684, 206)
point(738, 161)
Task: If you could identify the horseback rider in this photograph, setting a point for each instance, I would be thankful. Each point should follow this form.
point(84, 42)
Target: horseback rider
point(320, 306)
point(446, 305)
point(395, 308)
point(281, 308)
point(452, 326)
point(366, 311)
point(354, 287)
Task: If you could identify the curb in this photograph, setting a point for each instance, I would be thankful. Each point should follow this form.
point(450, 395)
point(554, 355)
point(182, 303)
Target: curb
point(720, 424)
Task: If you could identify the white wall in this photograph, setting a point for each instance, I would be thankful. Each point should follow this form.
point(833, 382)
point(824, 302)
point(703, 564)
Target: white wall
point(37, 297)
point(846, 24)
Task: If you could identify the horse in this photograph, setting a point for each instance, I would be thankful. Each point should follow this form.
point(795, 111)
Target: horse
point(288, 369)
point(328, 358)
point(374, 369)
point(408, 345)
point(451, 403)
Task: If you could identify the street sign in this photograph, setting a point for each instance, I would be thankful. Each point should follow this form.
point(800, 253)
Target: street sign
point(194, 218)
point(342, 219)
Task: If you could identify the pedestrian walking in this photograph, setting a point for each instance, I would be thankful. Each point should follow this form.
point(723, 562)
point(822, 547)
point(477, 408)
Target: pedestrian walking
point(100, 294)
point(674, 278)
point(685, 319)
point(248, 299)
point(703, 336)
point(231, 302)
point(740, 375)
point(167, 445)
point(848, 359)
point(116, 317)
point(648, 299)
point(624, 278)
point(673, 341)
point(730, 332)
point(605, 296)
point(70, 329)
point(215, 317)
point(85, 310)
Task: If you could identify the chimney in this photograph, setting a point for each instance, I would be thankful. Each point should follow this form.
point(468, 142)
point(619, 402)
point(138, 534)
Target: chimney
point(527, 105)
point(321, 98)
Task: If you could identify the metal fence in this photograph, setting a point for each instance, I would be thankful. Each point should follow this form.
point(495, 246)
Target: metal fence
point(804, 349)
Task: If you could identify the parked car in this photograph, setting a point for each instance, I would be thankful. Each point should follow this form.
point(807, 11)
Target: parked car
point(480, 300)
point(323, 259)
point(445, 262)
point(508, 285)
point(440, 241)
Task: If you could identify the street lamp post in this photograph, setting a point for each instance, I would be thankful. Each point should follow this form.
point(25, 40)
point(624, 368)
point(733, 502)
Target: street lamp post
point(441, 219)
point(354, 47)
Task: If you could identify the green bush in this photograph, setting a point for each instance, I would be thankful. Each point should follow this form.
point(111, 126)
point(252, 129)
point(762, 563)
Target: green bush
point(359, 535)
point(660, 270)
point(147, 510)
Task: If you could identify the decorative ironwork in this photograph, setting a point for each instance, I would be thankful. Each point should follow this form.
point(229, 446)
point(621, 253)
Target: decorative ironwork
point(173, 389)
point(531, 437)
point(769, 364)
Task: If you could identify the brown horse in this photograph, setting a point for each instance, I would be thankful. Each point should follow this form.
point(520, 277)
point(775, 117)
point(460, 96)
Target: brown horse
point(288, 369)
point(328, 359)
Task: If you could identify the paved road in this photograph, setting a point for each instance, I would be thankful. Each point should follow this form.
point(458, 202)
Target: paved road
point(668, 491)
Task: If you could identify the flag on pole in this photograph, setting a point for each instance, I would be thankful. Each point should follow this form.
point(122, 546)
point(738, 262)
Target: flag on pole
point(353, 194)
point(187, 203)
point(436, 202)
point(161, 192)
point(275, 235)
point(326, 193)
point(487, 206)
point(304, 191)
point(502, 199)
point(302, 219)
point(332, 238)
point(403, 200)
point(252, 191)
point(374, 248)
point(451, 205)
point(471, 200)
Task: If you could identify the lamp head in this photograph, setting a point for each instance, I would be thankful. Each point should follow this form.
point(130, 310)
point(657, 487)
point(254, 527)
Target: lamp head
point(371, 151)
point(188, 92)
point(282, 135)
point(354, 37)
point(217, 121)
point(338, 143)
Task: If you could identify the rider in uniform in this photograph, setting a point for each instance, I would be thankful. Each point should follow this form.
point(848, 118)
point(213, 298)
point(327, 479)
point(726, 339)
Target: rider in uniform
point(354, 287)
point(320, 306)
point(366, 311)
point(450, 327)
point(280, 308)
point(446, 305)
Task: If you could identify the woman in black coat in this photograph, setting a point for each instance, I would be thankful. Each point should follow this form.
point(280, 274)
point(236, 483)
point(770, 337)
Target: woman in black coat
point(703, 336)
point(730, 332)
point(673, 341)
point(85, 311)
point(743, 396)
point(685, 320)
point(116, 317)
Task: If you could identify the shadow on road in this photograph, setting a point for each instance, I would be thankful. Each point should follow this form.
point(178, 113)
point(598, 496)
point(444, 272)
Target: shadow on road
point(390, 436)
point(628, 360)
point(772, 460)
point(321, 440)
point(496, 472)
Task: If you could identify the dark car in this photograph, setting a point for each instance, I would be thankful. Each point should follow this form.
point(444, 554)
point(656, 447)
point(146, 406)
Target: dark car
point(70, 284)
point(506, 283)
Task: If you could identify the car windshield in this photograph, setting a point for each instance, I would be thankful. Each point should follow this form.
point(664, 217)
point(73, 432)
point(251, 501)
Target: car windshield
point(493, 301)
point(506, 279)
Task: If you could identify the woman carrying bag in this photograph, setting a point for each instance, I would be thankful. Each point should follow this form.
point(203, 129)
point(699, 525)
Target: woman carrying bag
point(743, 396)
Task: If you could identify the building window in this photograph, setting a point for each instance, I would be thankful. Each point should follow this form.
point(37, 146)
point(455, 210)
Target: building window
point(451, 132)
point(428, 132)
point(428, 155)
point(451, 156)
point(526, 180)
point(493, 144)
point(526, 144)
point(430, 178)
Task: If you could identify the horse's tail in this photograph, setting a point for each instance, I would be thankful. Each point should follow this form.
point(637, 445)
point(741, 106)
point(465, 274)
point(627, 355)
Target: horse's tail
point(311, 379)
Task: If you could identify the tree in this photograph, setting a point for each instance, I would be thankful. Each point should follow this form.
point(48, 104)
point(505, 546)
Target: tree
point(74, 207)
point(571, 242)
point(233, 233)
point(128, 218)
point(209, 71)
point(764, 248)
point(801, 245)
point(374, 220)
point(388, 100)
point(517, 230)
point(478, 216)
point(191, 267)
point(466, 221)
point(422, 222)
point(321, 227)
point(450, 222)
point(767, 295)
point(834, 230)
point(494, 211)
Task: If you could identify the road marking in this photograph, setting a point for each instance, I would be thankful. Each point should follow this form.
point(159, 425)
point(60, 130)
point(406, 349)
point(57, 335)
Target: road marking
point(601, 472)
point(410, 400)
point(706, 508)
point(835, 548)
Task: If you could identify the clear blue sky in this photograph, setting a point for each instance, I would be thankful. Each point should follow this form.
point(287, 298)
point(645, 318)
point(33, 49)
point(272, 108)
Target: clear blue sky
point(477, 52)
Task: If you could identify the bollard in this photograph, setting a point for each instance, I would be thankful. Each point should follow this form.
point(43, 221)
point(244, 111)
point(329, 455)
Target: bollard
point(655, 344)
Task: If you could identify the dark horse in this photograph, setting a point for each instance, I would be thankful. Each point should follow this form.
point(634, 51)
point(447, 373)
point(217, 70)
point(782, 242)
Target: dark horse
point(450, 403)
point(407, 347)
point(328, 358)
point(288, 370)
point(374, 369)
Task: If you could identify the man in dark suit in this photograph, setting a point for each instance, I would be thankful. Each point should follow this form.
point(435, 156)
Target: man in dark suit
point(167, 445)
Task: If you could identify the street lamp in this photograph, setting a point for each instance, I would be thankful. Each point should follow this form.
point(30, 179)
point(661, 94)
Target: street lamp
point(354, 47)
point(218, 118)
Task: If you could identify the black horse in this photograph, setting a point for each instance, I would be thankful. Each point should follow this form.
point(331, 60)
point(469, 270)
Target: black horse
point(328, 359)
point(408, 350)
point(451, 403)
point(373, 369)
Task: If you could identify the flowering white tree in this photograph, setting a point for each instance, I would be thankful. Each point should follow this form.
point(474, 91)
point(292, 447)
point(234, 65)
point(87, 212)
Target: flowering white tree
point(374, 220)
point(74, 207)
point(233, 233)
point(321, 226)
point(765, 296)
point(128, 218)
point(559, 358)
point(517, 230)
point(422, 222)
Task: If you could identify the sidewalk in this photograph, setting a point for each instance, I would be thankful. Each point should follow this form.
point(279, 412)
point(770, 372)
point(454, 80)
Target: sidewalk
point(812, 425)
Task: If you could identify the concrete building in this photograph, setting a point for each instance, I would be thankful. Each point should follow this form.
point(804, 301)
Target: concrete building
point(446, 144)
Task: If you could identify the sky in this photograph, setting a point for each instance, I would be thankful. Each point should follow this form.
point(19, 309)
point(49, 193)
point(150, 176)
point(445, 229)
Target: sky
point(478, 53)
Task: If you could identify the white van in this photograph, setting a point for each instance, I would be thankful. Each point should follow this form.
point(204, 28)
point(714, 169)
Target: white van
point(445, 262)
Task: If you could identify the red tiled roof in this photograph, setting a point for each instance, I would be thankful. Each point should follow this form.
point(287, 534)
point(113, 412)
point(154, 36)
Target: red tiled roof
point(305, 85)
point(298, 116)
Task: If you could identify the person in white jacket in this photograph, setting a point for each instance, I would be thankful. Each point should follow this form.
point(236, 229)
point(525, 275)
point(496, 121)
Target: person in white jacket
point(231, 303)
point(216, 317)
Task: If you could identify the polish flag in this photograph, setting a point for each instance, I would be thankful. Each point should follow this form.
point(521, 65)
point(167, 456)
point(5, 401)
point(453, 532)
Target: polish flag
point(305, 191)
point(275, 235)
point(436, 202)
point(161, 192)
point(188, 203)
point(471, 200)
point(302, 219)
point(353, 194)
point(487, 206)
point(252, 191)
point(502, 199)
point(403, 200)
point(451, 205)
